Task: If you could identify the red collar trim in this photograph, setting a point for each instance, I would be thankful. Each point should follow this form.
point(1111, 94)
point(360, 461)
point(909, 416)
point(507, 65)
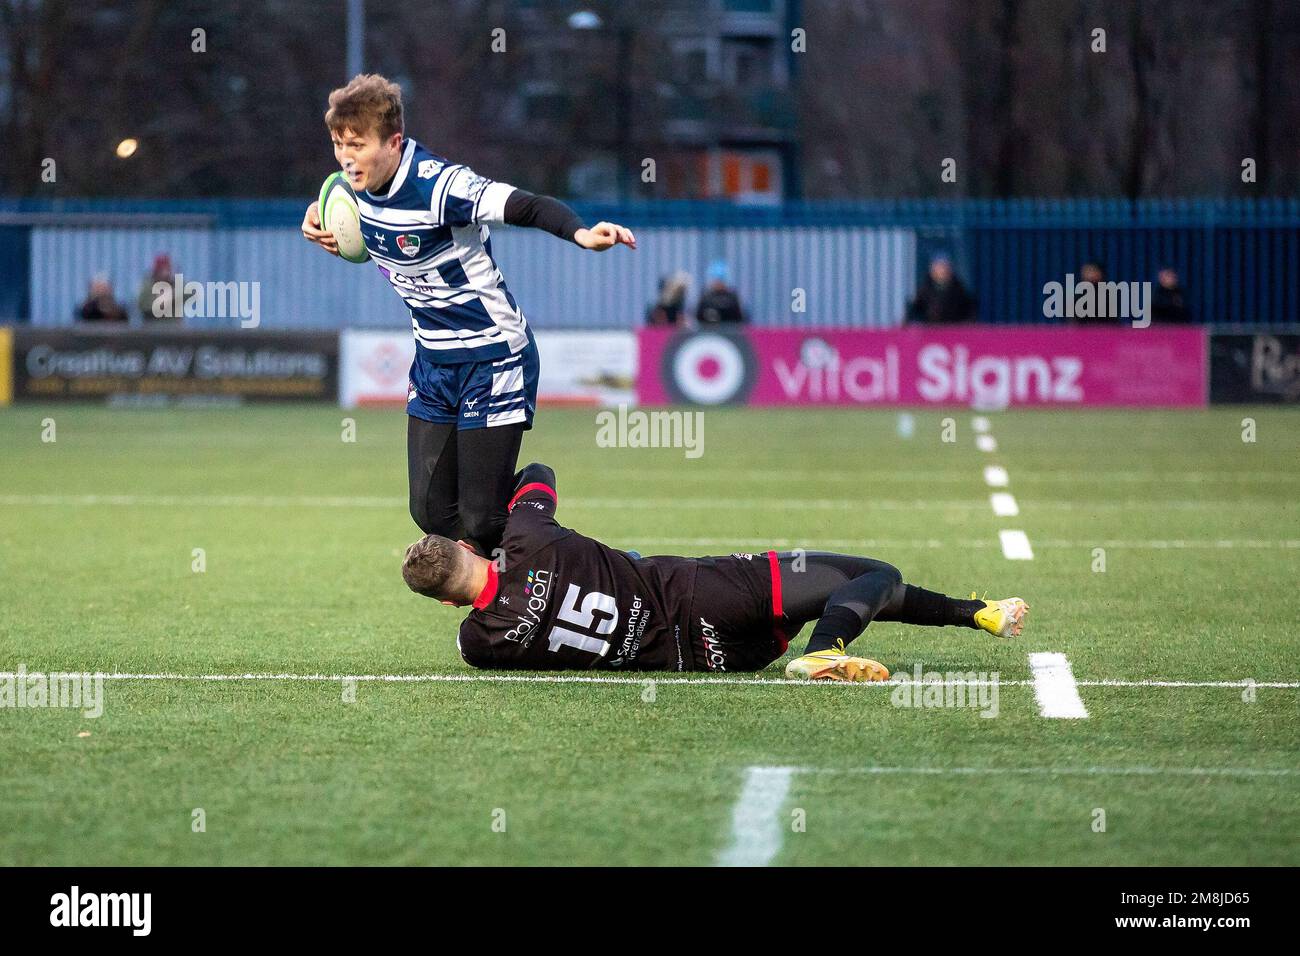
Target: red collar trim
point(489, 589)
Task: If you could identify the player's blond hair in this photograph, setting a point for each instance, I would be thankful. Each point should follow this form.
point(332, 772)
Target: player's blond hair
point(368, 102)
point(436, 567)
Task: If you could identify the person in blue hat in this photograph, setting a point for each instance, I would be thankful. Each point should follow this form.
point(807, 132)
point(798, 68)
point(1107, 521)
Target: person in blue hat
point(719, 303)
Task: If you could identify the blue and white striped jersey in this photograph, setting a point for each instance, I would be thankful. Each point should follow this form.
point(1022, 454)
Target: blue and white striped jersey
point(429, 236)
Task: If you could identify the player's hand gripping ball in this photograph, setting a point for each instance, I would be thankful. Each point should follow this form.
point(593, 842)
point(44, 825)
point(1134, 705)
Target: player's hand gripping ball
point(339, 216)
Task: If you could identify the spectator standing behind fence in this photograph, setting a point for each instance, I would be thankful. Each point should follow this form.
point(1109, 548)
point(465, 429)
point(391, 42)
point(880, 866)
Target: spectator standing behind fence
point(1169, 301)
point(101, 305)
point(1092, 273)
point(942, 298)
point(670, 307)
point(719, 304)
point(159, 306)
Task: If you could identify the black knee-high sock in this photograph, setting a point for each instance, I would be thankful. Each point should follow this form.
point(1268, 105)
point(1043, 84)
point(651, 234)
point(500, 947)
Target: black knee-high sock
point(854, 605)
point(919, 606)
point(837, 624)
point(932, 609)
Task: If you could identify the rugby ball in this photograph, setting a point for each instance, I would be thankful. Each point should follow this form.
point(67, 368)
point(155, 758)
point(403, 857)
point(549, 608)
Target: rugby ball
point(339, 214)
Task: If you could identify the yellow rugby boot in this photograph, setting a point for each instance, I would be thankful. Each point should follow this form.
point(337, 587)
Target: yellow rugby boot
point(1005, 618)
point(835, 663)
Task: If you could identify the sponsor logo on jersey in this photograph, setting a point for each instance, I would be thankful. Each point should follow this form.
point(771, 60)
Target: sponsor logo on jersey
point(713, 653)
point(409, 244)
point(428, 168)
point(537, 589)
point(637, 618)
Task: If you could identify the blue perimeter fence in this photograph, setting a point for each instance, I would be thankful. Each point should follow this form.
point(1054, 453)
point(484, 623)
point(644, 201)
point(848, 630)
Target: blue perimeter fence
point(858, 263)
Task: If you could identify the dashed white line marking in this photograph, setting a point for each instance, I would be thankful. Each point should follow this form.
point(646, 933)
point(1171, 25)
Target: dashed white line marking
point(756, 830)
point(1055, 688)
point(1004, 504)
point(979, 423)
point(995, 476)
point(986, 443)
point(1015, 545)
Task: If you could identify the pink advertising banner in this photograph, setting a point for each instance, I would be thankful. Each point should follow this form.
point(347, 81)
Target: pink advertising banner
point(988, 366)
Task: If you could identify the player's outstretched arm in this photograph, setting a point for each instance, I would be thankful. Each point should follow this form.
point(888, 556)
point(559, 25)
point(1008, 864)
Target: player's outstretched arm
point(523, 208)
point(312, 231)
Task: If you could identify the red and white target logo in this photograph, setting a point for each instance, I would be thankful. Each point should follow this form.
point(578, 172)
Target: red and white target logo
point(709, 368)
point(386, 364)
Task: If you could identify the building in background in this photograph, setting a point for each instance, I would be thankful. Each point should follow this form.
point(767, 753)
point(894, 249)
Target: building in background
point(704, 91)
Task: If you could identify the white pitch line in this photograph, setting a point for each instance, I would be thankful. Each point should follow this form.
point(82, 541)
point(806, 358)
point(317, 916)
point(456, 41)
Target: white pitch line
point(979, 423)
point(637, 681)
point(1161, 545)
point(1055, 688)
point(1136, 771)
point(1106, 682)
point(986, 443)
point(854, 476)
point(636, 504)
point(1015, 545)
point(705, 503)
point(749, 544)
point(858, 475)
point(995, 476)
point(756, 831)
point(209, 501)
point(1004, 504)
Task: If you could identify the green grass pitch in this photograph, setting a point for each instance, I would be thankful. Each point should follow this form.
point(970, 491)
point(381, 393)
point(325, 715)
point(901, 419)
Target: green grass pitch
point(301, 535)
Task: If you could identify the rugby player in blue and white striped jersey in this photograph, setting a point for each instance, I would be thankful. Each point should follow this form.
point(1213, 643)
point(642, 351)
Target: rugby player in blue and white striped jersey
point(473, 384)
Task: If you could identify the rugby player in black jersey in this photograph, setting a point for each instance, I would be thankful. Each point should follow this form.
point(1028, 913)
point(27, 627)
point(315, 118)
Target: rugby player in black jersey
point(558, 600)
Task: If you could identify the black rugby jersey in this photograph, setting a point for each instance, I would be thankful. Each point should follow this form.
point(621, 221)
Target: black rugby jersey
point(559, 600)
